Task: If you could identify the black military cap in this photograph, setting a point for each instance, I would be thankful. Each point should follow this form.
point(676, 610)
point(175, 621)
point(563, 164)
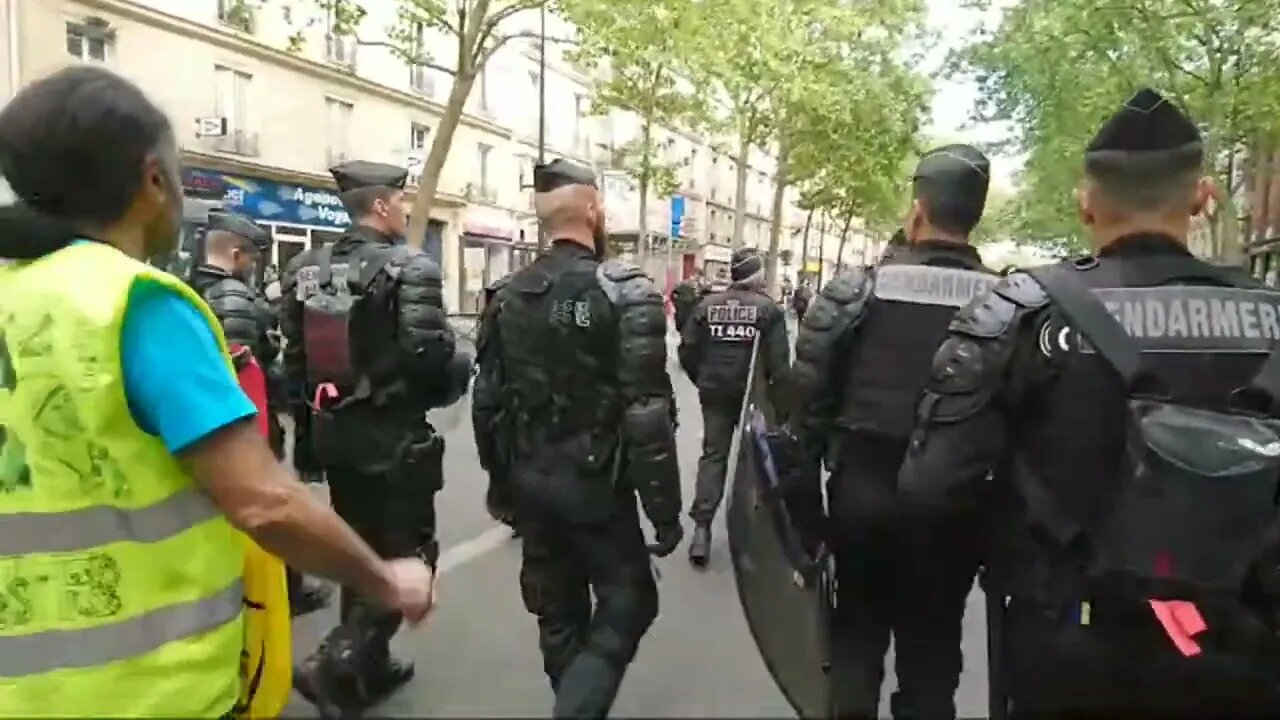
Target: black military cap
point(561, 173)
point(242, 226)
point(1148, 122)
point(960, 173)
point(1148, 137)
point(744, 263)
point(361, 174)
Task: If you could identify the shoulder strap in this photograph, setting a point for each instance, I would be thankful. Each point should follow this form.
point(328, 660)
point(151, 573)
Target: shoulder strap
point(1088, 315)
point(324, 264)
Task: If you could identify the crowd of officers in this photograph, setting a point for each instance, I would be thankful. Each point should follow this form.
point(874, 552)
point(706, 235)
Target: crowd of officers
point(1096, 439)
point(1097, 436)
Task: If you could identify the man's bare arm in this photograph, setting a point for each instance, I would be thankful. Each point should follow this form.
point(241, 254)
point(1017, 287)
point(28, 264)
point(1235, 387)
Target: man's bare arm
point(236, 469)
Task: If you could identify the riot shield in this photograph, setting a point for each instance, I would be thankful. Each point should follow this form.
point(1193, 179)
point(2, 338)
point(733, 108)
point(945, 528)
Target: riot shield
point(785, 593)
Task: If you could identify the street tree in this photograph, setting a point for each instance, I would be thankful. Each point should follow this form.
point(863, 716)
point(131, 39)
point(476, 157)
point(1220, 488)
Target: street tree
point(636, 49)
point(1216, 58)
point(478, 29)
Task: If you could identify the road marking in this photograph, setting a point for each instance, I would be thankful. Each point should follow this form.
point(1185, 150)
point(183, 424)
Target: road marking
point(468, 550)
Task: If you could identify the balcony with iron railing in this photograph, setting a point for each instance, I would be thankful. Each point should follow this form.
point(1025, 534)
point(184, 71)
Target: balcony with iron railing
point(340, 50)
point(475, 192)
point(235, 142)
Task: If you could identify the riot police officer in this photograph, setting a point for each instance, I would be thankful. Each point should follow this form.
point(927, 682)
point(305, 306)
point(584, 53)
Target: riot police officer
point(368, 351)
point(1100, 393)
point(685, 297)
point(574, 416)
point(863, 354)
point(715, 352)
point(233, 247)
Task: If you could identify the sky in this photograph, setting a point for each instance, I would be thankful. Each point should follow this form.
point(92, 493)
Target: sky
point(954, 100)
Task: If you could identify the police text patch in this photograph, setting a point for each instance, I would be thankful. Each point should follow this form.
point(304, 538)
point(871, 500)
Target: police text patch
point(1183, 319)
point(928, 285)
point(732, 322)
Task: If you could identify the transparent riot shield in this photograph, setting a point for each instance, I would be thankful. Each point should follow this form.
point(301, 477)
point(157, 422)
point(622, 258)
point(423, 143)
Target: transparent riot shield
point(785, 593)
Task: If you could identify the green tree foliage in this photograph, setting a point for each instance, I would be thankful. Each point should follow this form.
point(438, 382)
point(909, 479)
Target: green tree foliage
point(477, 28)
point(637, 49)
point(1058, 68)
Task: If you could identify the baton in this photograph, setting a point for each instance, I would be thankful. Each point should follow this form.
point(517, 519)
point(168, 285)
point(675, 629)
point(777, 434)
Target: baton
point(997, 680)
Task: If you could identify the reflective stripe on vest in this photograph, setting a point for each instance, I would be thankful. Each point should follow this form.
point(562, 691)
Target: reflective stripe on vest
point(56, 649)
point(31, 533)
point(121, 585)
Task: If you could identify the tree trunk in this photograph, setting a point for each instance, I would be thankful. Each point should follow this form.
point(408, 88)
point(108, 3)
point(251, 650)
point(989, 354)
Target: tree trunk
point(775, 230)
point(740, 196)
point(822, 250)
point(844, 238)
point(436, 157)
point(804, 245)
point(642, 223)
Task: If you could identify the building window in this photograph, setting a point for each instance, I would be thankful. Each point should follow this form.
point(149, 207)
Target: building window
point(483, 80)
point(482, 170)
point(418, 135)
point(338, 124)
point(580, 110)
point(237, 14)
point(420, 77)
point(89, 42)
point(232, 92)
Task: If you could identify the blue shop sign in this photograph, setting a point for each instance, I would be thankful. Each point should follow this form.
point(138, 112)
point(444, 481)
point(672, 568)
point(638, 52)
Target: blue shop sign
point(268, 200)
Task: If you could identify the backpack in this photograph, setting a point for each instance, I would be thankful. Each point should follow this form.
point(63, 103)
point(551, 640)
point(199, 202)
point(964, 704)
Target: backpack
point(1197, 499)
point(344, 324)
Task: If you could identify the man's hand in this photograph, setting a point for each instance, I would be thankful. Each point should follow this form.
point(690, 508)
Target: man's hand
point(667, 539)
point(411, 589)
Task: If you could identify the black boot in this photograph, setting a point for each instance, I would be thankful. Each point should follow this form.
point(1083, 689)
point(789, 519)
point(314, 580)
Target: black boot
point(310, 597)
point(700, 546)
point(324, 686)
point(384, 680)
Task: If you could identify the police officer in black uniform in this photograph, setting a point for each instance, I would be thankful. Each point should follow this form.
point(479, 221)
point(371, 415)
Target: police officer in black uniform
point(1017, 393)
point(685, 297)
point(574, 416)
point(233, 247)
point(863, 355)
point(368, 351)
point(715, 351)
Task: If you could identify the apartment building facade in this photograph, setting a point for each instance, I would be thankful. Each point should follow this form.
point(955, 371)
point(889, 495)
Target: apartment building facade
point(265, 98)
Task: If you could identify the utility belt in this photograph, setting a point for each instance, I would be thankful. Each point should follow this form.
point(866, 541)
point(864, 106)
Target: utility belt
point(364, 429)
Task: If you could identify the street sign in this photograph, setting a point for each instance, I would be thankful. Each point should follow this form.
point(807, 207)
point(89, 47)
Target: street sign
point(211, 127)
point(414, 162)
point(677, 214)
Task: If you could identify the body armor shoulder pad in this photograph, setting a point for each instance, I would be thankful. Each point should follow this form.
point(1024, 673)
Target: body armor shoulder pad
point(851, 286)
point(991, 316)
point(625, 283)
point(414, 267)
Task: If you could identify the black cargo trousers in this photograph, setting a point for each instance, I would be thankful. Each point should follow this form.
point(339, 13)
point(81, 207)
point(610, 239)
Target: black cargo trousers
point(719, 421)
point(586, 648)
point(883, 591)
point(391, 506)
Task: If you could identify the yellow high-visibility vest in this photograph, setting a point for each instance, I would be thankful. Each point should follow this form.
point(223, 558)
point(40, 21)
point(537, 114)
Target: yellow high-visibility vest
point(121, 584)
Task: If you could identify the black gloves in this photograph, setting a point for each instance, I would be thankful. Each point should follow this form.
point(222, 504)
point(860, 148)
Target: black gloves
point(667, 539)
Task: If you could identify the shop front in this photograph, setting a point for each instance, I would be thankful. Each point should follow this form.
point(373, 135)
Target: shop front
point(488, 245)
point(298, 216)
point(715, 263)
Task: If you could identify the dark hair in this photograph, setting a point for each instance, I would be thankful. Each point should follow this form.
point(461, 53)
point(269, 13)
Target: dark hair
point(946, 211)
point(72, 145)
point(360, 201)
point(1145, 181)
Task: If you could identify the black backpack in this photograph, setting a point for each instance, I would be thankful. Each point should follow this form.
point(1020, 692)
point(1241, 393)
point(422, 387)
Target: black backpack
point(348, 324)
point(1198, 496)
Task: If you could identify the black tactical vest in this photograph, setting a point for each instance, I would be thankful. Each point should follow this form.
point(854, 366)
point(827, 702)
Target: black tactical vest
point(1197, 328)
point(916, 294)
point(734, 318)
point(557, 341)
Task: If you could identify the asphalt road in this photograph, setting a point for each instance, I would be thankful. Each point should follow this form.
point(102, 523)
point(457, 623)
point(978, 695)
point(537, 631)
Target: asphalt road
point(478, 655)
